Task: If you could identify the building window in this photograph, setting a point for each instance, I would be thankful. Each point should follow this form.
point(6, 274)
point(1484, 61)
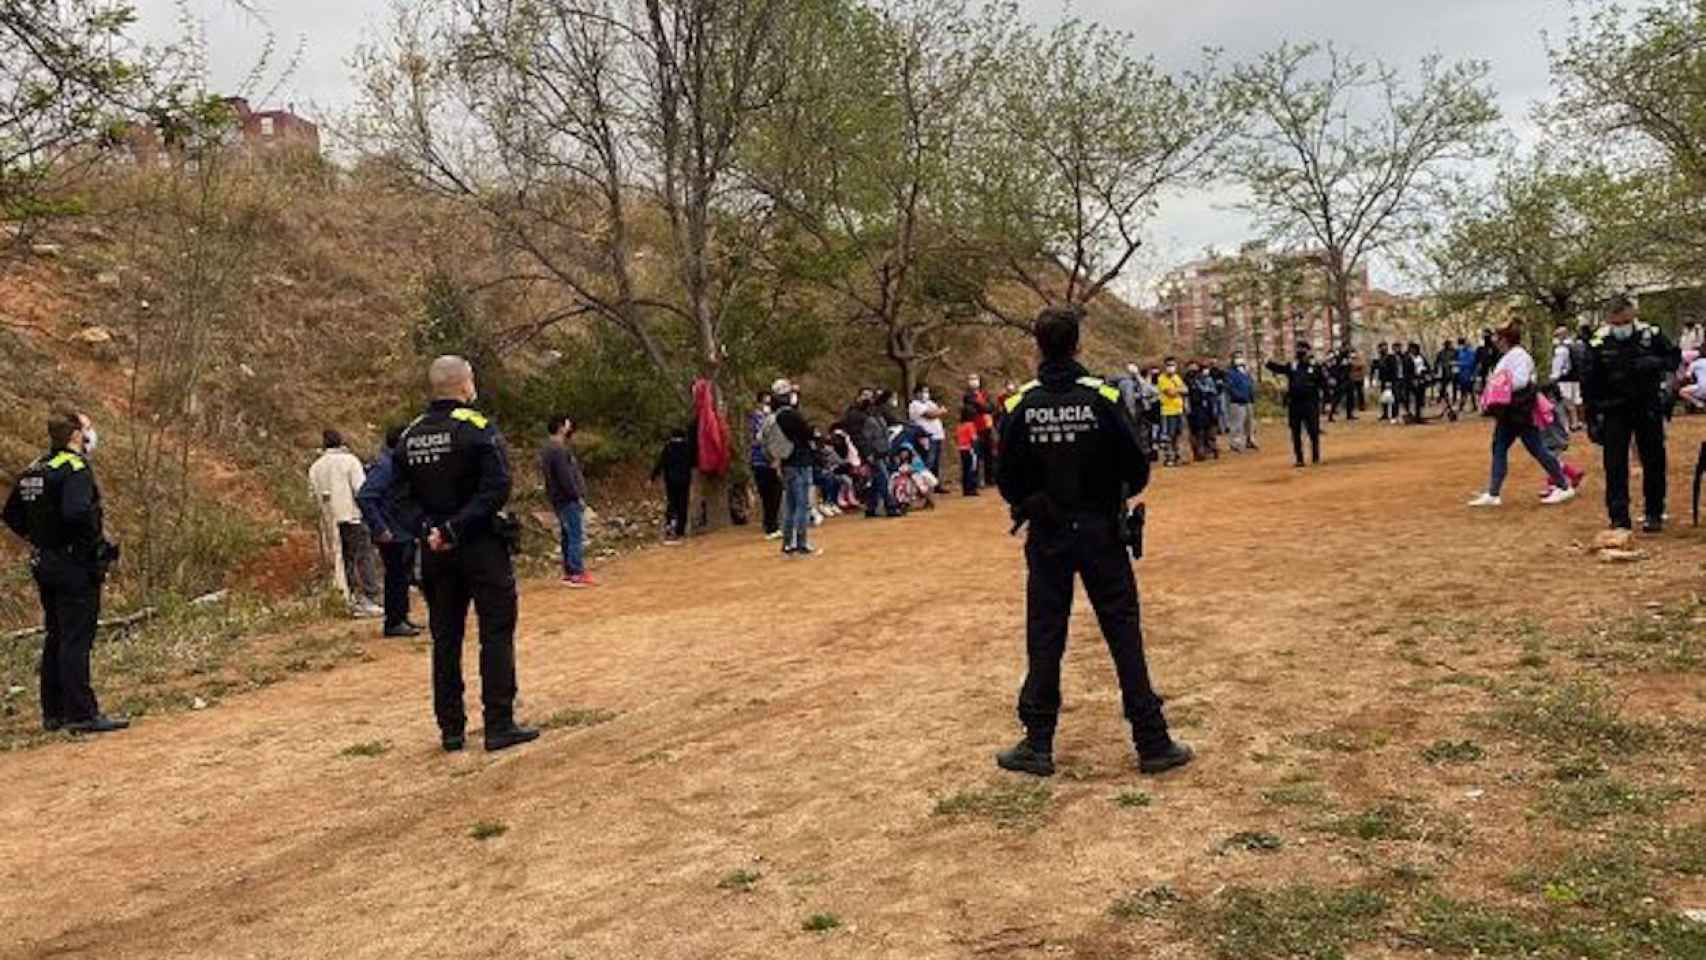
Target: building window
point(266, 126)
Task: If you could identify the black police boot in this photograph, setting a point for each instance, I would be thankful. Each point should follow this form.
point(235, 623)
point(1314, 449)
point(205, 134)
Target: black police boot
point(502, 738)
point(1653, 525)
point(1023, 757)
point(404, 629)
point(1176, 755)
point(50, 724)
point(452, 742)
point(99, 723)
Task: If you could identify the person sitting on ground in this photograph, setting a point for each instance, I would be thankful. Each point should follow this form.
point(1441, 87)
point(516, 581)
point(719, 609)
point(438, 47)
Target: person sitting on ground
point(1693, 390)
point(1512, 393)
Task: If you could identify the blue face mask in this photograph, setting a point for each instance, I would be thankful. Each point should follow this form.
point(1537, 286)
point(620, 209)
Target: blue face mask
point(1623, 331)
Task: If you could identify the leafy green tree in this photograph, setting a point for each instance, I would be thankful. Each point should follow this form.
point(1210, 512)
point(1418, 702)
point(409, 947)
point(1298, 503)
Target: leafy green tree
point(1634, 82)
point(1345, 157)
point(860, 160)
point(1558, 238)
point(1078, 140)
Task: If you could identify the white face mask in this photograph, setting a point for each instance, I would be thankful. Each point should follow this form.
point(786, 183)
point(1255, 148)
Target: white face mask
point(91, 439)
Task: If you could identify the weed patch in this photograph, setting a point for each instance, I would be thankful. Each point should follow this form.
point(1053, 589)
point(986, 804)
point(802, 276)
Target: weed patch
point(1291, 922)
point(821, 923)
point(1253, 840)
point(1132, 798)
point(741, 880)
point(1587, 801)
point(487, 829)
point(1573, 718)
point(1146, 904)
point(1455, 926)
point(1300, 794)
point(573, 717)
point(1015, 805)
point(372, 748)
point(1453, 751)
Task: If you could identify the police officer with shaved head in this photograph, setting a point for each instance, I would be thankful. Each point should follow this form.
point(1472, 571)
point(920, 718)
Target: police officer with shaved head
point(451, 483)
point(56, 506)
point(1072, 468)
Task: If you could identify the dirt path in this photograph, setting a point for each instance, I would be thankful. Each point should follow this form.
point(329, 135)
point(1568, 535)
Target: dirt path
point(801, 721)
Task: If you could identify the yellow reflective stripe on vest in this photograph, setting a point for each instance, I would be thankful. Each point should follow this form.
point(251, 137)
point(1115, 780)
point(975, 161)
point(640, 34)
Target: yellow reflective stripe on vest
point(466, 415)
point(66, 458)
point(1018, 395)
point(1100, 386)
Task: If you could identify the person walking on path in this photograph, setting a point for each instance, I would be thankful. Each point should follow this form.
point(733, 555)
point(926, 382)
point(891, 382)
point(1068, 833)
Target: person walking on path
point(565, 486)
point(1512, 393)
point(1622, 376)
point(765, 474)
point(334, 479)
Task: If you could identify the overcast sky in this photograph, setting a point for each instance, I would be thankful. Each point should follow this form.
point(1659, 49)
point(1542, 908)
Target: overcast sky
point(1508, 33)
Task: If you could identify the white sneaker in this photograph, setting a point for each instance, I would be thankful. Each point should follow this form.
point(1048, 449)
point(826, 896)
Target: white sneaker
point(1559, 495)
point(773, 535)
point(1485, 500)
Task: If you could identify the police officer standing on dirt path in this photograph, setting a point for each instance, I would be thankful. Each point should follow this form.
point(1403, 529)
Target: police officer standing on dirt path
point(1072, 468)
point(1623, 372)
point(56, 506)
point(452, 481)
point(1306, 380)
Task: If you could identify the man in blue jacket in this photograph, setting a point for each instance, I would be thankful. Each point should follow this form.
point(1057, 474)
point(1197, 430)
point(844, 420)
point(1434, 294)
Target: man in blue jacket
point(1240, 405)
point(396, 549)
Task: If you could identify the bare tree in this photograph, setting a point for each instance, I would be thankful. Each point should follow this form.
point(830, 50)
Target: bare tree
point(572, 126)
point(1342, 155)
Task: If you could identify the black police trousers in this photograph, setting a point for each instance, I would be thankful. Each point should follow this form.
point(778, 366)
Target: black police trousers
point(1305, 417)
point(1090, 548)
point(479, 571)
point(399, 558)
point(1646, 427)
point(71, 602)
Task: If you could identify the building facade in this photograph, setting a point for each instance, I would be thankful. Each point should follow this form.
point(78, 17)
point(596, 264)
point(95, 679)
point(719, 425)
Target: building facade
point(1258, 301)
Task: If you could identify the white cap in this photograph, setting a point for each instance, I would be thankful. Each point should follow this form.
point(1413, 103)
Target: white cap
point(781, 387)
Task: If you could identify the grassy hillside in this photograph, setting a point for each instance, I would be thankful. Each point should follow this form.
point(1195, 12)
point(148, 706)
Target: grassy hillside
point(325, 327)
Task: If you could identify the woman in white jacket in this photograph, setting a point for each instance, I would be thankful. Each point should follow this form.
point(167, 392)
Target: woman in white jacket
point(1514, 421)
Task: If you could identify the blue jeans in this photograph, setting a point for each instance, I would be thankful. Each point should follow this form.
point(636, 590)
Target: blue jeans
point(571, 519)
point(1503, 437)
point(796, 507)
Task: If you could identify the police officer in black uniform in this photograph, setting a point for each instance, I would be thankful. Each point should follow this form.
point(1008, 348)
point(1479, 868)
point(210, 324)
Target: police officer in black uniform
point(56, 506)
point(452, 481)
point(1622, 379)
point(1070, 463)
point(1305, 382)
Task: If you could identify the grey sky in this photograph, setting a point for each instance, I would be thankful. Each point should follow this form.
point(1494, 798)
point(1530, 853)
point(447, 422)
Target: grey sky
point(1508, 33)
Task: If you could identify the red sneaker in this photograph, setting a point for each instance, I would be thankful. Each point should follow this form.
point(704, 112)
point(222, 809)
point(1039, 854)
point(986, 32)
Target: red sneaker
point(580, 581)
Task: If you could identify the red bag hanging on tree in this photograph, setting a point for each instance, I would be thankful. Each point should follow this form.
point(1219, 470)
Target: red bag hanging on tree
point(714, 456)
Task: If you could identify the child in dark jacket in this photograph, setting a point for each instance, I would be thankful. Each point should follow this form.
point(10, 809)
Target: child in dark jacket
point(675, 465)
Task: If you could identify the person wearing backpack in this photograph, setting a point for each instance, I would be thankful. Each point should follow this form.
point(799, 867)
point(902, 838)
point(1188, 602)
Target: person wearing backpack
point(765, 474)
point(1566, 379)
